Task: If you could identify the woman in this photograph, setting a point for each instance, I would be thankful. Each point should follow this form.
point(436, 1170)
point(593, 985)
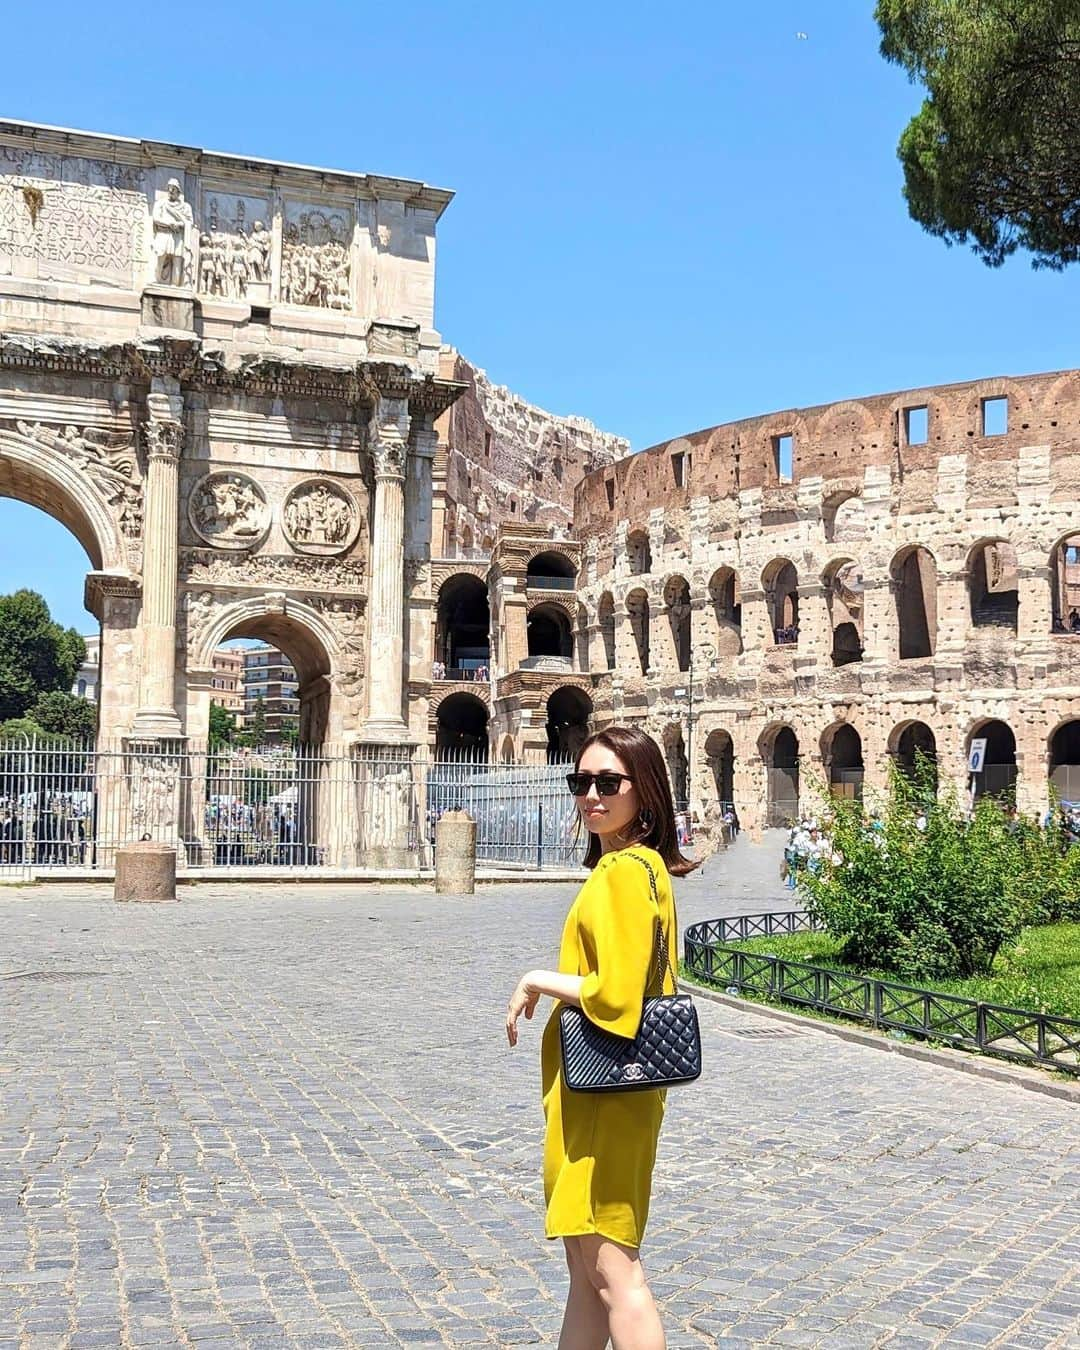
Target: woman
point(599, 1148)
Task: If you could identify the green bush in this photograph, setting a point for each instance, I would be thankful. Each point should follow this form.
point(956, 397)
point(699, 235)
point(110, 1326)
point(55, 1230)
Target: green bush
point(939, 901)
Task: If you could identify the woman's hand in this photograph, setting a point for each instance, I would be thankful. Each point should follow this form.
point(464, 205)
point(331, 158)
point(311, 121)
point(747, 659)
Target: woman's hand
point(523, 1000)
point(566, 988)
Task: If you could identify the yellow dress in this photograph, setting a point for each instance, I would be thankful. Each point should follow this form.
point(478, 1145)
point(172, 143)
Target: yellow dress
point(599, 1147)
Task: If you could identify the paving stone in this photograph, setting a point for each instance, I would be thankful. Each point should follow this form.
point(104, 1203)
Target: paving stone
point(288, 1116)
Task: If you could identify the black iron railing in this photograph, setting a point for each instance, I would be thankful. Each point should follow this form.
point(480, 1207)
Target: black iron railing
point(1014, 1033)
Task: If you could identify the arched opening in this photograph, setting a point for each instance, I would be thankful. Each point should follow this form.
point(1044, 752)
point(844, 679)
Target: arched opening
point(270, 794)
point(287, 668)
point(45, 555)
point(720, 757)
point(461, 727)
point(606, 618)
point(914, 578)
point(1065, 762)
point(1065, 585)
point(998, 776)
point(638, 553)
point(843, 751)
point(678, 769)
point(551, 571)
point(781, 756)
point(568, 713)
point(727, 610)
point(548, 630)
point(677, 602)
point(913, 742)
point(846, 645)
point(844, 518)
point(506, 754)
point(993, 585)
point(462, 628)
point(781, 585)
point(844, 597)
point(637, 607)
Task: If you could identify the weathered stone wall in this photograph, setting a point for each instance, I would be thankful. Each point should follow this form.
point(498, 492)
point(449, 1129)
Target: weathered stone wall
point(510, 462)
point(860, 499)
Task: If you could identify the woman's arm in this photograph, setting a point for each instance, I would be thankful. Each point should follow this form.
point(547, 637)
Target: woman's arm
point(566, 988)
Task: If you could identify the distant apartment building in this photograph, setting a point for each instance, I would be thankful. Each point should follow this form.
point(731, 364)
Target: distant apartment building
point(227, 681)
point(88, 675)
point(269, 675)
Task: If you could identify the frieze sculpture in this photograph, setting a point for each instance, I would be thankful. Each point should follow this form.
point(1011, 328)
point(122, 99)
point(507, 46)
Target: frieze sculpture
point(319, 517)
point(347, 620)
point(106, 457)
point(230, 262)
point(198, 612)
point(154, 783)
point(229, 510)
point(172, 220)
point(290, 571)
point(315, 267)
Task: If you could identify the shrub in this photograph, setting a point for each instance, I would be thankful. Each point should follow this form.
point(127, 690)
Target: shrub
point(926, 892)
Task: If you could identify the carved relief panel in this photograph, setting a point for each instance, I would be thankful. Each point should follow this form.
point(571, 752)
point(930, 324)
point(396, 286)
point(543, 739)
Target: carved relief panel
point(320, 517)
point(229, 510)
point(316, 266)
point(235, 247)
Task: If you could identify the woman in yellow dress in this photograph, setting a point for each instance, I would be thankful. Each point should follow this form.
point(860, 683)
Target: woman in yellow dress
point(599, 1148)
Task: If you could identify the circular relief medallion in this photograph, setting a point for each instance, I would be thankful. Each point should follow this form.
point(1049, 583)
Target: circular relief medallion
point(320, 517)
point(229, 510)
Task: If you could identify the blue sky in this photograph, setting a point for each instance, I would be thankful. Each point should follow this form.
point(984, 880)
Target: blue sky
point(666, 217)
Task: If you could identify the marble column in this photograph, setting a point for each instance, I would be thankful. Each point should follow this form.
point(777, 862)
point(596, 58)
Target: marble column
point(164, 435)
point(389, 448)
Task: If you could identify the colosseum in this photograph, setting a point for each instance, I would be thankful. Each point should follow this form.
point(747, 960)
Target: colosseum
point(790, 602)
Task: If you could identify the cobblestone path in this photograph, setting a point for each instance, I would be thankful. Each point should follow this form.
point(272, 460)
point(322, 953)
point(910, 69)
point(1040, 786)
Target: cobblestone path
point(289, 1117)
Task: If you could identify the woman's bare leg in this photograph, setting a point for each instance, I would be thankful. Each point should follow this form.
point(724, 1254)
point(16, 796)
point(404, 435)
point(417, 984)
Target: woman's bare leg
point(585, 1321)
point(616, 1274)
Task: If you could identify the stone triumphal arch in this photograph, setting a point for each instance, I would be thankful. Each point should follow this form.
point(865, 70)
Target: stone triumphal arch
point(221, 374)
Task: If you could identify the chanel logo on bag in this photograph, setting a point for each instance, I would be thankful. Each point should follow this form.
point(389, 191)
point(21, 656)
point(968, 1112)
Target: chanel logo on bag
point(633, 1073)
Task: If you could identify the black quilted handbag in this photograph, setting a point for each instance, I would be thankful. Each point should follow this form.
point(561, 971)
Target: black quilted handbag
point(666, 1050)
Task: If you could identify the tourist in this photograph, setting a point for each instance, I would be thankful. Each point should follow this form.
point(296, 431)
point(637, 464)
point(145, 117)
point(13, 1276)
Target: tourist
point(1074, 620)
point(731, 822)
point(599, 1148)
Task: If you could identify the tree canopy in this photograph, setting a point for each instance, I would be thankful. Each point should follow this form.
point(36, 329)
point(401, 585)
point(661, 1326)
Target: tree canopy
point(222, 725)
point(66, 715)
point(993, 156)
point(37, 656)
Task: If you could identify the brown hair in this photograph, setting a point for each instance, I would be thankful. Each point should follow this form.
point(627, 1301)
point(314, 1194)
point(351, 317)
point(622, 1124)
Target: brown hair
point(645, 765)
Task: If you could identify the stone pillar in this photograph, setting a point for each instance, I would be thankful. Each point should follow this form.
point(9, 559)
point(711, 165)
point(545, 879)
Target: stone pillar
point(164, 435)
point(389, 441)
point(455, 853)
point(815, 624)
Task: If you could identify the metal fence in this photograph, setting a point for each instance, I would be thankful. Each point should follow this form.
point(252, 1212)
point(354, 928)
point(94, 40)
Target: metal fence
point(70, 807)
point(1013, 1033)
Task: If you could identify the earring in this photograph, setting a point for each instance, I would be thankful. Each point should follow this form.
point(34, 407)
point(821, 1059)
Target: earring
point(646, 817)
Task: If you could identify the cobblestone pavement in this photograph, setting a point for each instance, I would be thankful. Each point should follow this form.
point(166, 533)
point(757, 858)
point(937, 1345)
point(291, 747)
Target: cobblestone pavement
point(288, 1116)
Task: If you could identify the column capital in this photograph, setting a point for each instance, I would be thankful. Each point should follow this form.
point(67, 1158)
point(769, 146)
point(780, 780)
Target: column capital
point(164, 439)
point(388, 436)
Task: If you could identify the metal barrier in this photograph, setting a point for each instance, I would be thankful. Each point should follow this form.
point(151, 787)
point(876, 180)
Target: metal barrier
point(1013, 1033)
point(70, 807)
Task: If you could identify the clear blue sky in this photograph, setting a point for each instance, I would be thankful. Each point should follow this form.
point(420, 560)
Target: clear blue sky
point(666, 216)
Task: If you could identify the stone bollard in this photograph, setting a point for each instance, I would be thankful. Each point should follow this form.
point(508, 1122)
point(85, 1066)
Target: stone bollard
point(145, 871)
point(455, 853)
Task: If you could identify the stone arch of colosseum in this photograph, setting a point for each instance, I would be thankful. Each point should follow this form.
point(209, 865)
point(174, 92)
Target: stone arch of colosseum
point(920, 587)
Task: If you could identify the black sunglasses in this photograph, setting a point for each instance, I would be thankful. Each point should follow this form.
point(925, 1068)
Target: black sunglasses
point(607, 784)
